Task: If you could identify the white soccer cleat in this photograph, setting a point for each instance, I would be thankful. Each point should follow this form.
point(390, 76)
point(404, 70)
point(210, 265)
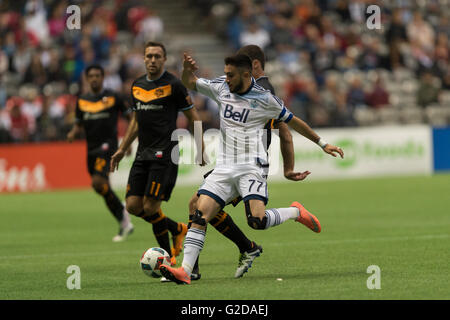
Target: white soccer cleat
point(124, 233)
point(246, 260)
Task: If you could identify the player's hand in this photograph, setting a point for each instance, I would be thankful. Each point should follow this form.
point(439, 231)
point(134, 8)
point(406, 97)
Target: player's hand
point(115, 159)
point(296, 176)
point(189, 63)
point(333, 150)
point(205, 160)
point(70, 136)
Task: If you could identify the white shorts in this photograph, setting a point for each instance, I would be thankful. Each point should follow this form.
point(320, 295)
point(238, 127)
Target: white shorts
point(226, 183)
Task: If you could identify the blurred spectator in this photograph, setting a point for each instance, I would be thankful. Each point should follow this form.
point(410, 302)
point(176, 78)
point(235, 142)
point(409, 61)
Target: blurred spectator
point(47, 126)
point(16, 122)
point(371, 58)
point(428, 91)
point(35, 73)
point(378, 97)
point(150, 28)
point(281, 33)
point(355, 96)
point(333, 99)
point(395, 36)
point(254, 34)
point(57, 21)
point(36, 20)
point(446, 80)
point(420, 33)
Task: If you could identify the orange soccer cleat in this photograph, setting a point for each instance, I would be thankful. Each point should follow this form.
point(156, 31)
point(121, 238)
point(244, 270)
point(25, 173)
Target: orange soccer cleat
point(307, 218)
point(173, 260)
point(178, 240)
point(177, 275)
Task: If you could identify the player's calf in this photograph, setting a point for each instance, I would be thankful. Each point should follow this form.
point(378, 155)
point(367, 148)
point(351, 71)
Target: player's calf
point(193, 204)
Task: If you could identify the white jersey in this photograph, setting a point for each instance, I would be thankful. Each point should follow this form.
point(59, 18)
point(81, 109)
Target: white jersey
point(242, 120)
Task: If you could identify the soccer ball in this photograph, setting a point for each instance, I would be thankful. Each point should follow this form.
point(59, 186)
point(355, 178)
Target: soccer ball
point(152, 259)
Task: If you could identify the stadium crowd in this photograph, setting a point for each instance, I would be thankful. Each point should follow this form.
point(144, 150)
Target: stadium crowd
point(333, 67)
point(324, 61)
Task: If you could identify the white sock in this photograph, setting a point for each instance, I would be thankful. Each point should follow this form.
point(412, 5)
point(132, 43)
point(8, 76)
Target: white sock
point(280, 215)
point(193, 244)
point(126, 219)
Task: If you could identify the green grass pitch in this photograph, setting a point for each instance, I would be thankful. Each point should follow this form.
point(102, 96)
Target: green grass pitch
point(400, 224)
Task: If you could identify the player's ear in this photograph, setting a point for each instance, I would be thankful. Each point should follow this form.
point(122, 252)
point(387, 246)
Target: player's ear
point(246, 74)
point(255, 64)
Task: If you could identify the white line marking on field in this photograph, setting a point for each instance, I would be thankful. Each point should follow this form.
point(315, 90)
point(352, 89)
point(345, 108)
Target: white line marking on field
point(331, 241)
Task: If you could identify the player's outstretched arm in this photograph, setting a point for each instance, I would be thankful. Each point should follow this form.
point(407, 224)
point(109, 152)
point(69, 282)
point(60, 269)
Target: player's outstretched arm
point(305, 130)
point(287, 152)
point(188, 77)
point(196, 123)
point(130, 135)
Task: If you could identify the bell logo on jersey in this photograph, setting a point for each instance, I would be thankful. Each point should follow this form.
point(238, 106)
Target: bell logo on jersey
point(236, 116)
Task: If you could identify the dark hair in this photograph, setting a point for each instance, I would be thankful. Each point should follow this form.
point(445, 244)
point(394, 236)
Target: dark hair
point(254, 53)
point(155, 44)
point(239, 61)
point(95, 67)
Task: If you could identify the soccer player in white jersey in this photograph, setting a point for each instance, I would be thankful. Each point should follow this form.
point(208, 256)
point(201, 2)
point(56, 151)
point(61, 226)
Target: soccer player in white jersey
point(244, 109)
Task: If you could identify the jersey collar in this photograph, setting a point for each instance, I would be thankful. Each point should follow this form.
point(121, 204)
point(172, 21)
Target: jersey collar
point(149, 80)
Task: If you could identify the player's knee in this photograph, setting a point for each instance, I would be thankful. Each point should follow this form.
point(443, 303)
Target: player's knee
point(134, 207)
point(253, 219)
point(198, 218)
point(101, 187)
point(151, 207)
point(257, 223)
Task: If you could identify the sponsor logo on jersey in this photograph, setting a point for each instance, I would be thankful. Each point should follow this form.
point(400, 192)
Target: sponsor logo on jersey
point(95, 116)
point(143, 106)
point(148, 95)
point(236, 115)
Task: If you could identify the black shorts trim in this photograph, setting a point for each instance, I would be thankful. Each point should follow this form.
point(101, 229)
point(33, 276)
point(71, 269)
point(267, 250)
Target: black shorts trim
point(256, 197)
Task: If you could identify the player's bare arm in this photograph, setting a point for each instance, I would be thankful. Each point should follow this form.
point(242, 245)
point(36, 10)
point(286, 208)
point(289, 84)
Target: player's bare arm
point(76, 130)
point(305, 130)
point(287, 151)
point(130, 135)
point(188, 77)
point(193, 116)
point(128, 117)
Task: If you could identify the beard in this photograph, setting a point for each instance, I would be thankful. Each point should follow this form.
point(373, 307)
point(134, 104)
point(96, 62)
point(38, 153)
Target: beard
point(238, 87)
point(153, 70)
point(95, 87)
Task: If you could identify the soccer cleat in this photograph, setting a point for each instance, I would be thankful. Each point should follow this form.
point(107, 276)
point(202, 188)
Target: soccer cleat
point(246, 259)
point(173, 261)
point(124, 233)
point(195, 274)
point(306, 218)
point(178, 240)
point(177, 275)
